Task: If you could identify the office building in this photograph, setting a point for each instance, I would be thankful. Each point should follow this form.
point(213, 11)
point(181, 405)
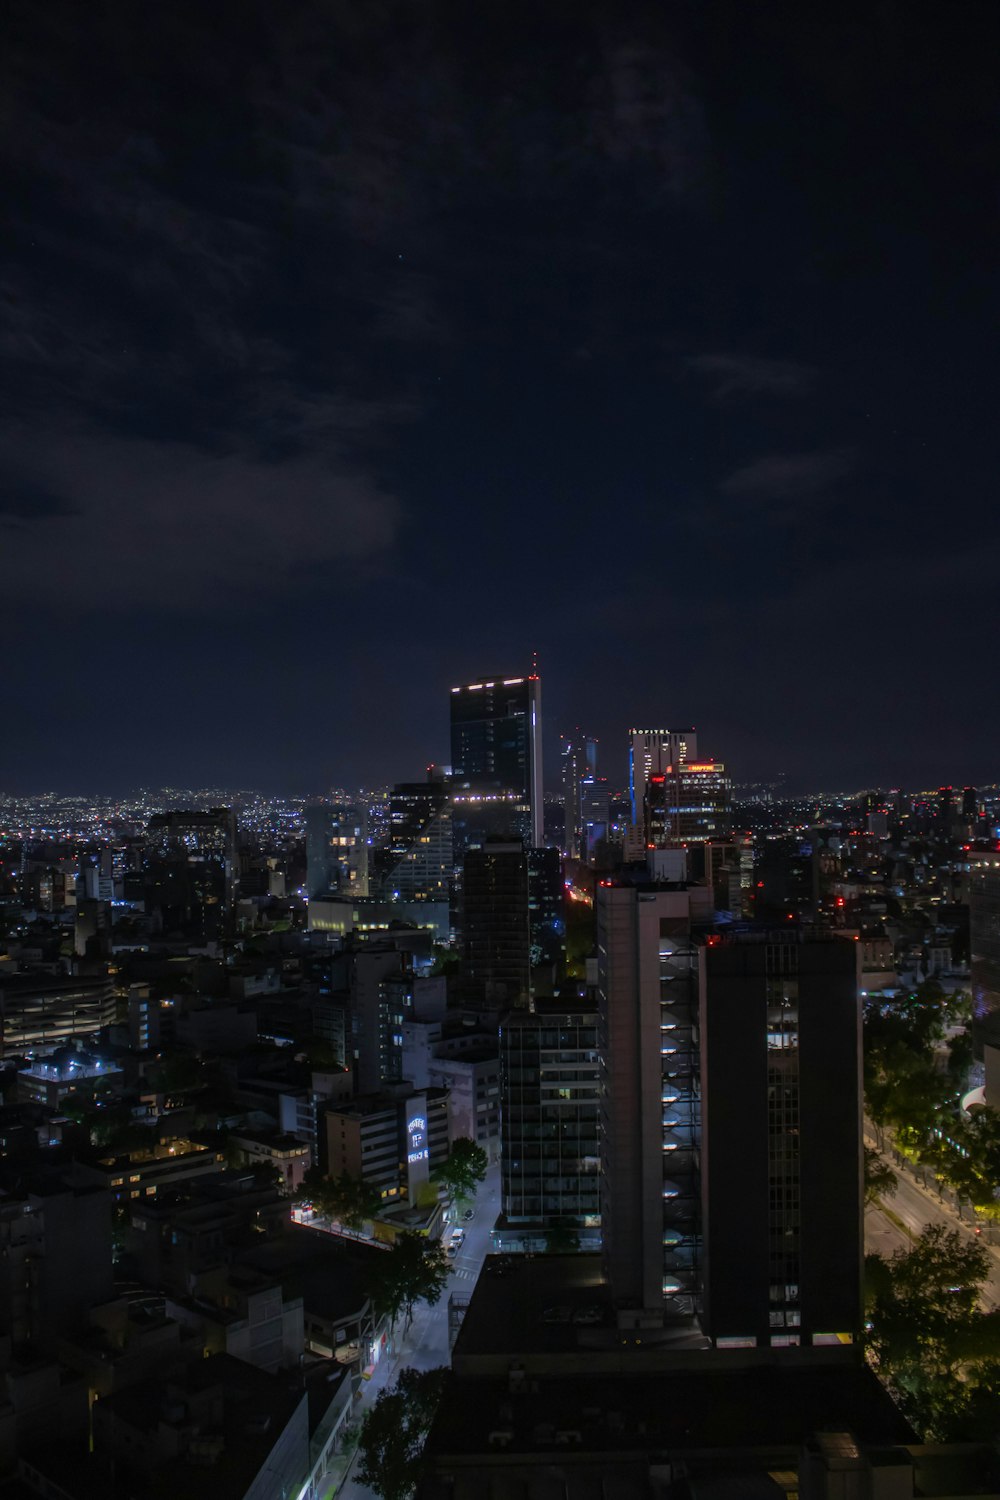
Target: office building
point(781, 1169)
point(650, 752)
point(496, 756)
point(549, 1152)
point(579, 760)
point(546, 916)
point(417, 862)
point(496, 928)
point(595, 819)
point(688, 803)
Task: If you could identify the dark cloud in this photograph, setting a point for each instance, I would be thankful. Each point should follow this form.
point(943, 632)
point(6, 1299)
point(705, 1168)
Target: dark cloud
point(791, 476)
point(166, 526)
point(29, 502)
point(733, 375)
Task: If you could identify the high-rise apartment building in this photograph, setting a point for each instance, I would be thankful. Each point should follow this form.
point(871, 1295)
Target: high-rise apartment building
point(650, 753)
point(496, 759)
point(650, 1092)
point(579, 760)
point(781, 1160)
point(731, 1125)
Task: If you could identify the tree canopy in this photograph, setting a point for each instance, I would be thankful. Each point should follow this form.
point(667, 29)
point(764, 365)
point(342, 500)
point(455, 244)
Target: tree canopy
point(394, 1430)
point(464, 1169)
point(349, 1200)
point(880, 1180)
point(413, 1270)
point(927, 1336)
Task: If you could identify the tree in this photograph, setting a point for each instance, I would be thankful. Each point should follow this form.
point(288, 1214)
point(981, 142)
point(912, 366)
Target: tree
point(464, 1169)
point(413, 1271)
point(349, 1200)
point(925, 1326)
point(562, 1237)
point(880, 1180)
point(391, 1445)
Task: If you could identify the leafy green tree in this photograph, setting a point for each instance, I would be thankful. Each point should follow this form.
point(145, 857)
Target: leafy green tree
point(394, 1430)
point(464, 1169)
point(880, 1180)
point(961, 1055)
point(446, 960)
point(925, 1325)
point(349, 1200)
point(413, 1270)
point(177, 1072)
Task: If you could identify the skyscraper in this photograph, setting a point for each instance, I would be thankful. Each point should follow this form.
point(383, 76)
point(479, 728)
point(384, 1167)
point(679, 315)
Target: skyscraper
point(579, 760)
point(650, 752)
point(496, 758)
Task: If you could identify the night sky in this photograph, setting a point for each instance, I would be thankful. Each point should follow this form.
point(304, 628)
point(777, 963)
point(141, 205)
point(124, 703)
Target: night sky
point(355, 349)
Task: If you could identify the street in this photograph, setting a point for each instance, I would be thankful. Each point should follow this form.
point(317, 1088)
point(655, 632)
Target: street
point(915, 1206)
point(426, 1343)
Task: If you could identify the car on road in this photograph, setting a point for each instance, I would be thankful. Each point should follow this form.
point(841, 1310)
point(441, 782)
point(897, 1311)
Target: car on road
point(470, 1213)
point(457, 1239)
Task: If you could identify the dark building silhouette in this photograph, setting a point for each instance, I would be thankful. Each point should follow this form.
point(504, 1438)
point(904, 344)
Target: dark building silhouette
point(781, 1168)
point(546, 901)
point(496, 931)
point(329, 840)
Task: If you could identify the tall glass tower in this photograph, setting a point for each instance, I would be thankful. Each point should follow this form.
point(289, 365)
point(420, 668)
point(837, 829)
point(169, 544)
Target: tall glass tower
point(496, 752)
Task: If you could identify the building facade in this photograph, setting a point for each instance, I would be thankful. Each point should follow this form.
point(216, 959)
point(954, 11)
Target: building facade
point(549, 1153)
point(650, 752)
point(781, 1159)
point(496, 748)
point(579, 760)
